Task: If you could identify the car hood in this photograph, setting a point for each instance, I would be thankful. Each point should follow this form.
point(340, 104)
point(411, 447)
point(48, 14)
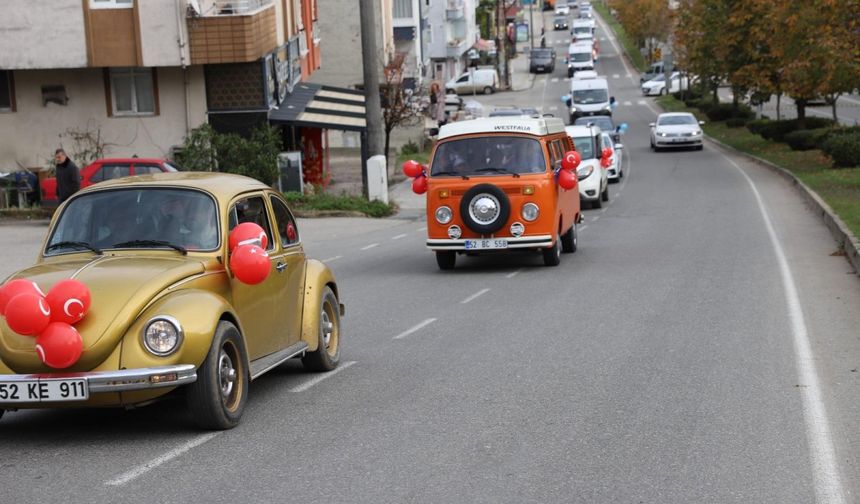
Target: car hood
point(653, 84)
point(120, 288)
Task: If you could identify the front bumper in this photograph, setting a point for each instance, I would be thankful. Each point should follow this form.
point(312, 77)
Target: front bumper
point(664, 142)
point(523, 242)
point(123, 380)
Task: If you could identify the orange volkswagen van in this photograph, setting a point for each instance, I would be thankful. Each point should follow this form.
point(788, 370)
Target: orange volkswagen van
point(500, 183)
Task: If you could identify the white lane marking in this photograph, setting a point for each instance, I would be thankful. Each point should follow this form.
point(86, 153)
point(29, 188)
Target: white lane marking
point(142, 469)
point(475, 296)
point(628, 76)
point(399, 236)
point(422, 228)
point(368, 247)
point(553, 108)
point(539, 108)
point(320, 377)
point(555, 79)
point(513, 273)
point(416, 327)
point(641, 102)
point(628, 103)
point(616, 76)
point(582, 227)
point(595, 218)
point(330, 259)
point(828, 487)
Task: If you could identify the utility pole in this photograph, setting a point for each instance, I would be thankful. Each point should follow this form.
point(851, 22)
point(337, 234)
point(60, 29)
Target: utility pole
point(532, 24)
point(501, 43)
point(373, 141)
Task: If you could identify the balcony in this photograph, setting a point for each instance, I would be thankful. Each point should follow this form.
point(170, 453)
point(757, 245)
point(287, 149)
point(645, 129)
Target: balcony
point(232, 31)
point(455, 48)
point(456, 9)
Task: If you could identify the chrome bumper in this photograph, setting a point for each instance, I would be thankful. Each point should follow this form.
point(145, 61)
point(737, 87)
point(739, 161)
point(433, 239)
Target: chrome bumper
point(540, 241)
point(123, 380)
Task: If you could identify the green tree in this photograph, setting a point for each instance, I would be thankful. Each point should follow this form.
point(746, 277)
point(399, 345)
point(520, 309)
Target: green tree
point(207, 150)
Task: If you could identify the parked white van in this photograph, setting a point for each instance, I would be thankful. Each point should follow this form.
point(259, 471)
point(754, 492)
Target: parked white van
point(486, 81)
point(580, 56)
point(589, 97)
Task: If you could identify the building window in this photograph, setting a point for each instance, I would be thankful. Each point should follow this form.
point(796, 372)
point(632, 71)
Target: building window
point(7, 91)
point(133, 91)
point(402, 8)
point(111, 4)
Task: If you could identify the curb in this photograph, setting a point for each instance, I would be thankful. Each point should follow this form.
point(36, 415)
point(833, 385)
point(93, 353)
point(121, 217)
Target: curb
point(840, 232)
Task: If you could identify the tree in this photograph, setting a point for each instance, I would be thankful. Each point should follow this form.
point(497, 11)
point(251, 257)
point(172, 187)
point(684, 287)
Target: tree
point(207, 150)
point(400, 104)
point(700, 31)
point(755, 51)
point(646, 21)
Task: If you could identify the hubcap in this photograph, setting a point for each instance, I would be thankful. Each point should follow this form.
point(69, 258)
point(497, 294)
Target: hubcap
point(226, 374)
point(484, 209)
point(327, 328)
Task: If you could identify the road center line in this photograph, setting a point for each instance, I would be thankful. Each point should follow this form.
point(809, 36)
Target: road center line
point(330, 259)
point(513, 273)
point(399, 236)
point(475, 296)
point(828, 487)
point(422, 228)
point(320, 377)
point(368, 247)
point(142, 469)
point(415, 328)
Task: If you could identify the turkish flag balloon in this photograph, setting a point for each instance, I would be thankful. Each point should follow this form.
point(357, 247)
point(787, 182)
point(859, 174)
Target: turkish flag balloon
point(250, 264)
point(59, 345)
point(571, 160)
point(567, 179)
point(69, 301)
point(606, 152)
point(606, 162)
point(419, 185)
point(15, 287)
point(248, 233)
point(28, 314)
point(412, 168)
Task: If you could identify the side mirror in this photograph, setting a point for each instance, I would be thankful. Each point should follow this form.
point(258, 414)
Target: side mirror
point(433, 132)
point(611, 99)
point(701, 122)
point(619, 146)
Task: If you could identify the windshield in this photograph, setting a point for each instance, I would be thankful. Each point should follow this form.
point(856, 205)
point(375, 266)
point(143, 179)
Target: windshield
point(587, 96)
point(585, 147)
point(106, 219)
point(580, 57)
point(659, 78)
point(581, 29)
point(676, 120)
point(543, 55)
point(488, 156)
point(602, 122)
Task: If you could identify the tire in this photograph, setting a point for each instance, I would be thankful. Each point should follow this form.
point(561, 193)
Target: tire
point(504, 210)
point(552, 255)
point(604, 196)
point(1, 412)
point(488, 90)
point(569, 240)
point(446, 259)
point(597, 203)
point(327, 355)
point(215, 400)
point(700, 147)
point(620, 174)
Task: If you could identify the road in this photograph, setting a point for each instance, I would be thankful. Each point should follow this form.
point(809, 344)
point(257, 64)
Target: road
point(700, 346)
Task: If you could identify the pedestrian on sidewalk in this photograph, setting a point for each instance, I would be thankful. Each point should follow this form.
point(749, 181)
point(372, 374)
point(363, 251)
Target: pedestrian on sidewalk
point(68, 176)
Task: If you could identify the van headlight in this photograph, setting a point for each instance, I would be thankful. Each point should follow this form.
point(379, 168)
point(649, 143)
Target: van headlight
point(443, 215)
point(162, 335)
point(584, 172)
point(530, 212)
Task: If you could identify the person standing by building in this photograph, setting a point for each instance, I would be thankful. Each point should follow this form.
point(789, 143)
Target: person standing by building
point(68, 176)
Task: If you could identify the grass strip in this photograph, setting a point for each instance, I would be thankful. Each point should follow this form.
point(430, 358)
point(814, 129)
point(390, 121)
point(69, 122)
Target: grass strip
point(324, 202)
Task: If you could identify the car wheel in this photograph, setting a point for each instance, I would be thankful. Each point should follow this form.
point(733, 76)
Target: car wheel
point(217, 399)
point(700, 147)
point(327, 355)
point(1, 412)
point(552, 255)
point(446, 259)
point(569, 240)
point(620, 174)
point(604, 196)
point(597, 203)
point(488, 90)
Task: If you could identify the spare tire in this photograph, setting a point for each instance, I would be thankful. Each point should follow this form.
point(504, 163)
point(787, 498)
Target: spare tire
point(485, 208)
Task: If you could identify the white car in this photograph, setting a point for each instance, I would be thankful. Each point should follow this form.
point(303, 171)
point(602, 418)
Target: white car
point(593, 179)
point(676, 129)
point(562, 10)
point(657, 85)
point(615, 172)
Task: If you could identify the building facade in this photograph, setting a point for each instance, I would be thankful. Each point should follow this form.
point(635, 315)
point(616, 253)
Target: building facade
point(453, 31)
point(411, 38)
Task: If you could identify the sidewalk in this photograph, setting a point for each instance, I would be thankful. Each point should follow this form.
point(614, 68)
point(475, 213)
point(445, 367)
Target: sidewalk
point(521, 78)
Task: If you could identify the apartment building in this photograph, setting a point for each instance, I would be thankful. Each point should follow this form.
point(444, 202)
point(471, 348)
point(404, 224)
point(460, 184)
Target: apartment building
point(411, 38)
point(453, 31)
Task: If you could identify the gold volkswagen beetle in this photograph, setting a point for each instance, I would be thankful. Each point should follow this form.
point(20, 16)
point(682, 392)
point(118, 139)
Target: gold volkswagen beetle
point(167, 313)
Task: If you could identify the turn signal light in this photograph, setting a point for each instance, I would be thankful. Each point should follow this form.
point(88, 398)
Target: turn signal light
point(443, 193)
point(528, 190)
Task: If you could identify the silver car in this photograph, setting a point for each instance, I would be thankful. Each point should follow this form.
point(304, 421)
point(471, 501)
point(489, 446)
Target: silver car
point(676, 129)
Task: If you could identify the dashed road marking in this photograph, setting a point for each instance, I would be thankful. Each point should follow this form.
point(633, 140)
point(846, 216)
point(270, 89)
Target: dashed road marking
point(642, 102)
point(616, 76)
point(475, 296)
point(368, 247)
point(320, 377)
point(403, 235)
point(513, 273)
point(555, 79)
point(628, 103)
point(422, 228)
point(415, 328)
point(142, 469)
point(553, 108)
point(330, 259)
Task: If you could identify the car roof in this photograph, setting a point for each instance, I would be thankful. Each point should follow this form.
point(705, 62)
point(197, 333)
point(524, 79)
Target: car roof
point(529, 125)
point(130, 160)
point(591, 83)
point(581, 131)
point(222, 185)
point(675, 114)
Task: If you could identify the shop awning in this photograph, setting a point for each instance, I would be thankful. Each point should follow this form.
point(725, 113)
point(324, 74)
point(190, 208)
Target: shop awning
point(318, 106)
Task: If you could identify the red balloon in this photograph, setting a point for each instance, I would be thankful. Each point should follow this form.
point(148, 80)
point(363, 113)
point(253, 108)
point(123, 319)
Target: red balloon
point(571, 160)
point(59, 345)
point(412, 168)
point(69, 301)
point(15, 287)
point(606, 152)
point(567, 179)
point(28, 314)
point(606, 162)
point(419, 185)
point(250, 264)
point(248, 233)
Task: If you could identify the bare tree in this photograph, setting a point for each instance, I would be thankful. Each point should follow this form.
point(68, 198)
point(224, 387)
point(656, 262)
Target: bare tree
point(400, 104)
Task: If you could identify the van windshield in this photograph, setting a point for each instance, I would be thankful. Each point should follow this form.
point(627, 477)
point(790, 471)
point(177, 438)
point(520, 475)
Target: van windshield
point(488, 156)
point(581, 29)
point(588, 96)
point(580, 57)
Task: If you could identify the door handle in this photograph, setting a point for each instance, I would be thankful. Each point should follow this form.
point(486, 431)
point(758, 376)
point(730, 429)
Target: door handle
point(281, 266)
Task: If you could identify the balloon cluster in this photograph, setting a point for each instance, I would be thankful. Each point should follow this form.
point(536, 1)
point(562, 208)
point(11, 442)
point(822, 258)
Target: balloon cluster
point(418, 172)
point(248, 258)
point(48, 318)
point(567, 174)
point(606, 157)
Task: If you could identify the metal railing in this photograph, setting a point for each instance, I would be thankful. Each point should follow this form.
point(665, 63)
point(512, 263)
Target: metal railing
point(229, 7)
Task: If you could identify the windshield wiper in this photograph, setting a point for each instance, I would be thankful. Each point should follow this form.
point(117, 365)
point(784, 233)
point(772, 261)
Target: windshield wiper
point(150, 243)
point(74, 244)
point(449, 172)
point(498, 170)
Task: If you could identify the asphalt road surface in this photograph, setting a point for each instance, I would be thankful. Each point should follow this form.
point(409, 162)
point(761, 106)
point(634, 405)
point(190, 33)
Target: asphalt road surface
point(700, 346)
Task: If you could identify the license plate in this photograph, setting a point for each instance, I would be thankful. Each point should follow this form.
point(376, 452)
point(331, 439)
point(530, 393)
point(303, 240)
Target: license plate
point(486, 244)
point(44, 390)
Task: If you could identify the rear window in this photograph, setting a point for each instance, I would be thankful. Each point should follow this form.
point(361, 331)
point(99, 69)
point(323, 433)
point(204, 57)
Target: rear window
point(488, 156)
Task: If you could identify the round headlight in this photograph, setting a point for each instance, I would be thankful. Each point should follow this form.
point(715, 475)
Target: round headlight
point(517, 229)
point(454, 232)
point(162, 335)
point(530, 212)
point(443, 215)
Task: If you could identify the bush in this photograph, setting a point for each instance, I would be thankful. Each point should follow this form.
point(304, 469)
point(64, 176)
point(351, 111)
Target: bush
point(844, 149)
point(325, 201)
point(725, 111)
point(207, 150)
point(758, 125)
point(737, 122)
point(409, 147)
point(808, 139)
point(777, 130)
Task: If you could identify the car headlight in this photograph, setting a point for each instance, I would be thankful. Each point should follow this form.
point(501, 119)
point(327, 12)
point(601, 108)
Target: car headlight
point(162, 335)
point(662, 134)
point(530, 212)
point(697, 132)
point(584, 172)
point(573, 109)
point(443, 215)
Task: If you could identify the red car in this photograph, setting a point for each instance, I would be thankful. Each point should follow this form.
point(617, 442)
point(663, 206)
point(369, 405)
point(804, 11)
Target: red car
point(106, 169)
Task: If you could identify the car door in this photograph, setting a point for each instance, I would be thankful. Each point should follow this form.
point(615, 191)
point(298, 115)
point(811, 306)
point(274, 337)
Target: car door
point(462, 85)
point(255, 304)
point(289, 259)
